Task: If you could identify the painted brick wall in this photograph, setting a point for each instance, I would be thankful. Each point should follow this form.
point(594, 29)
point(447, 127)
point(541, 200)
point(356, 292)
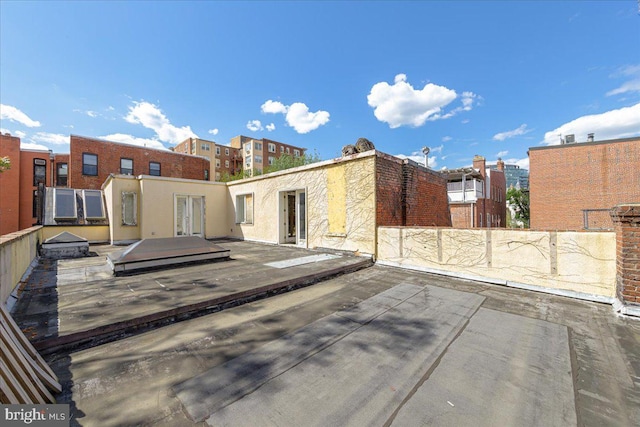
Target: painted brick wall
point(109, 154)
point(10, 186)
point(409, 195)
point(566, 179)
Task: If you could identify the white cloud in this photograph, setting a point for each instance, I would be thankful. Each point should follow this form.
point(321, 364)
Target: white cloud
point(437, 149)
point(20, 134)
point(92, 114)
point(4, 131)
point(402, 105)
point(621, 123)
point(502, 153)
point(297, 115)
point(50, 138)
point(522, 130)
point(32, 146)
point(271, 127)
point(632, 85)
point(213, 131)
point(13, 114)
point(446, 138)
point(132, 140)
point(151, 117)
point(254, 125)
point(418, 157)
point(302, 120)
point(523, 163)
point(274, 107)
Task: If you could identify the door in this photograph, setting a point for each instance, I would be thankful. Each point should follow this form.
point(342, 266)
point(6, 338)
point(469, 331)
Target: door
point(293, 215)
point(189, 215)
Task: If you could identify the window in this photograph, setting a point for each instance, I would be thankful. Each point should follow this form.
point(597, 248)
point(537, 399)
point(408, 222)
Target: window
point(217, 163)
point(39, 171)
point(35, 204)
point(247, 147)
point(258, 159)
point(89, 164)
point(154, 168)
point(271, 160)
point(205, 147)
point(281, 149)
point(193, 147)
point(126, 166)
point(62, 174)
point(288, 152)
point(257, 146)
point(272, 147)
point(217, 176)
point(296, 153)
point(206, 174)
point(244, 209)
point(129, 208)
point(226, 151)
point(64, 203)
point(217, 151)
point(247, 163)
point(226, 163)
point(93, 208)
point(480, 220)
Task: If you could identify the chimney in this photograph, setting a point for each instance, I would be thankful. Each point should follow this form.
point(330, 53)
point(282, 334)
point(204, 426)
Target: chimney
point(500, 164)
point(480, 164)
point(589, 137)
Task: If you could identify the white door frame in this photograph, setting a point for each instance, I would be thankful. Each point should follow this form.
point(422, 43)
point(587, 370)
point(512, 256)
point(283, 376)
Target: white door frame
point(299, 236)
point(189, 228)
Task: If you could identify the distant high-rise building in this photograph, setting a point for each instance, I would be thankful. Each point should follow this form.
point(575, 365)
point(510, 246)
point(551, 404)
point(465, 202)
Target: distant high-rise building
point(516, 176)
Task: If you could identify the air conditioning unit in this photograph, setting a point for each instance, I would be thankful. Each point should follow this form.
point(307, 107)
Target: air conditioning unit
point(570, 139)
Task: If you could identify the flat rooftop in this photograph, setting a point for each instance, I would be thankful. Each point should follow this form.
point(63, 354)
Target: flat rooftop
point(348, 344)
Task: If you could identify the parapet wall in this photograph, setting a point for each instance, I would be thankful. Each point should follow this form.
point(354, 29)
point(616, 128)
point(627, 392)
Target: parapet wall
point(577, 264)
point(17, 251)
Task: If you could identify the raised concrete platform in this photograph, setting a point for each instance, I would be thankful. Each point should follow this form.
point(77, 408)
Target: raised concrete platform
point(163, 253)
point(65, 245)
point(79, 303)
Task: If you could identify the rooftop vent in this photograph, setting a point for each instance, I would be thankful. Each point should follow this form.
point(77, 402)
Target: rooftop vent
point(570, 139)
point(589, 137)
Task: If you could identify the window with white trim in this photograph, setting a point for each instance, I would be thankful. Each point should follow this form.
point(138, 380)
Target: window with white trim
point(244, 209)
point(129, 208)
point(296, 153)
point(272, 147)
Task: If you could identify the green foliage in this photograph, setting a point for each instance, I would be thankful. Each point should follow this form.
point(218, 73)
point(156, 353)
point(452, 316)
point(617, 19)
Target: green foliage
point(236, 176)
point(5, 164)
point(287, 161)
point(518, 205)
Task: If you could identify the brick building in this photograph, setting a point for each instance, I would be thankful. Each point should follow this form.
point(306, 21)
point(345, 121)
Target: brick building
point(91, 161)
point(259, 154)
point(573, 186)
point(30, 172)
point(408, 194)
point(224, 159)
point(477, 195)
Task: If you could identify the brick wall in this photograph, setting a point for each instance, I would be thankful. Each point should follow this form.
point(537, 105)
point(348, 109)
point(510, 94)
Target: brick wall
point(626, 219)
point(10, 186)
point(566, 179)
point(109, 154)
point(409, 195)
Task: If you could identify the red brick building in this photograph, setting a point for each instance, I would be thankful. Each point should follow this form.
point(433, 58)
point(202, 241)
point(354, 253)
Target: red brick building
point(30, 172)
point(408, 194)
point(574, 186)
point(477, 195)
point(92, 160)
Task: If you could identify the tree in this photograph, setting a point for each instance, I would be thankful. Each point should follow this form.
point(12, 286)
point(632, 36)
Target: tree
point(5, 164)
point(287, 161)
point(518, 205)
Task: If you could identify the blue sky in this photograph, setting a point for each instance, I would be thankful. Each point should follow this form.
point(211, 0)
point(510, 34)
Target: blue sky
point(464, 78)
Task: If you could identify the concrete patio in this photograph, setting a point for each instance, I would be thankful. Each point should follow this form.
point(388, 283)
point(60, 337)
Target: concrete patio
point(376, 346)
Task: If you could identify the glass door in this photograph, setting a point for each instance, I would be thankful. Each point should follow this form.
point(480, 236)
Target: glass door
point(189, 215)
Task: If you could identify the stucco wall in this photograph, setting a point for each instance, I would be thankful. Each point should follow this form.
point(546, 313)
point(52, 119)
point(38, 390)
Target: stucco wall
point(113, 189)
point(343, 218)
point(578, 264)
point(17, 250)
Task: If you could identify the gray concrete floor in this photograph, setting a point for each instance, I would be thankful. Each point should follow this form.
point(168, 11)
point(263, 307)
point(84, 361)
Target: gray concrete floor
point(455, 352)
